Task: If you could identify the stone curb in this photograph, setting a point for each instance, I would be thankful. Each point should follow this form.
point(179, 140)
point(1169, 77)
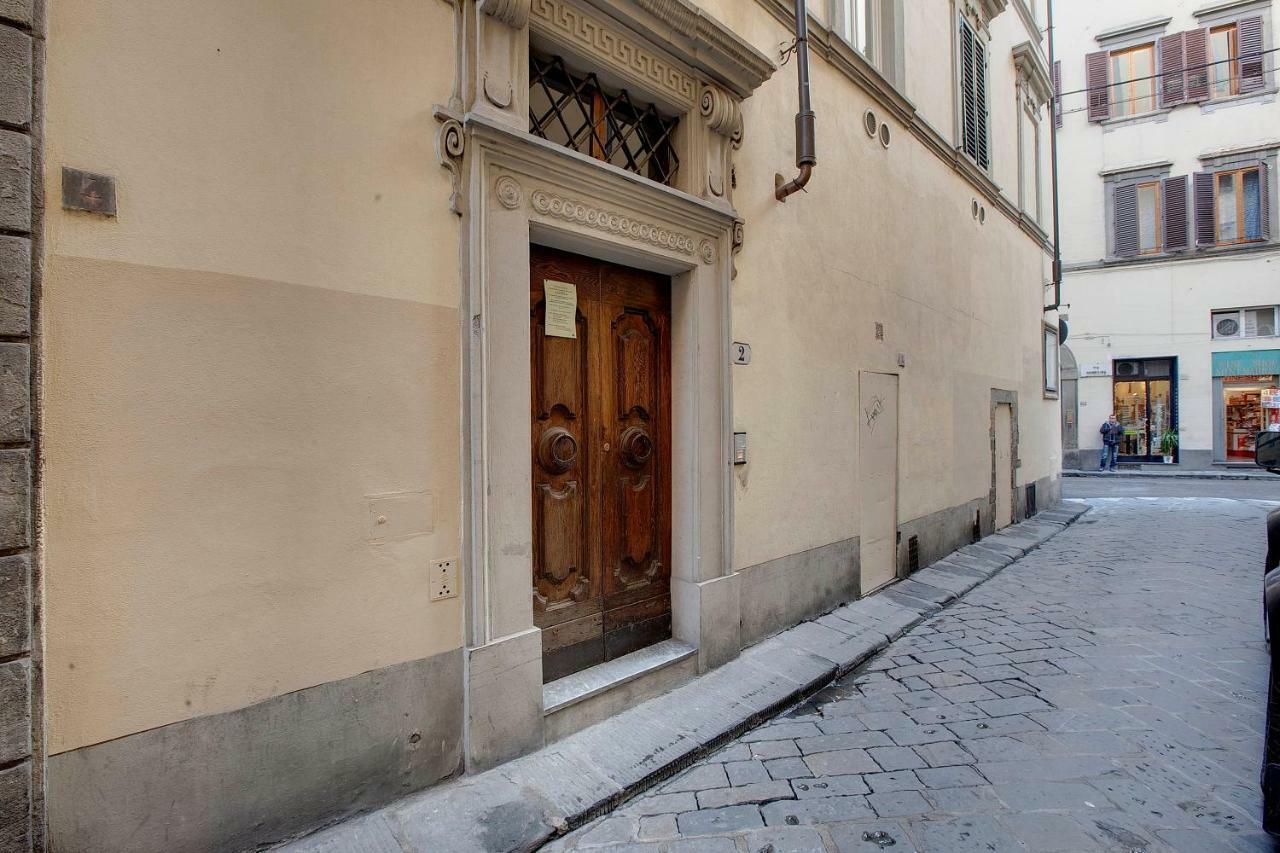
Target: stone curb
point(1173, 475)
point(521, 805)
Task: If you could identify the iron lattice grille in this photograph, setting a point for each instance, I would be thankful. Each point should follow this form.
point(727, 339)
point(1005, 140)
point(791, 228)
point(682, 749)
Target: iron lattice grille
point(575, 111)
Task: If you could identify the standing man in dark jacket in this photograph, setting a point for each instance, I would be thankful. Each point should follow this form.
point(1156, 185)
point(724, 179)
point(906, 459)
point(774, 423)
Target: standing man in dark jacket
point(1111, 432)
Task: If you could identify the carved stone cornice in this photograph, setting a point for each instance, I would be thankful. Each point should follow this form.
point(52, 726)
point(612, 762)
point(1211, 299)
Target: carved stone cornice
point(1033, 73)
point(982, 12)
point(696, 38)
point(513, 13)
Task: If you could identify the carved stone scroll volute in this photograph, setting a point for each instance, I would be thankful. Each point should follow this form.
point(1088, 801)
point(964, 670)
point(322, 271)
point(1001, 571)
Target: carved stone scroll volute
point(723, 117)
point(500, 78)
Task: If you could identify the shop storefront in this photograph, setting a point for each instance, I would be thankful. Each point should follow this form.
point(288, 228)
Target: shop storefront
point(1145, 402)
point(1246, 401)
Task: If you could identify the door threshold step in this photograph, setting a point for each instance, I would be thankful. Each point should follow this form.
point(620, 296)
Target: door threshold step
point(572, 689)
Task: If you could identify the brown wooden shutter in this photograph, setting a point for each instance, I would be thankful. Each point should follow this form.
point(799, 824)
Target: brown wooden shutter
point(1057, 93)
point(1264, 200)
point(1206, 234)
point(1173, 89)
point(1196, 52)
point(968, 108)
point(1252, 68)
point(980, 98)
point(1125, 228)
point(1173, 192)
point(1095, 79)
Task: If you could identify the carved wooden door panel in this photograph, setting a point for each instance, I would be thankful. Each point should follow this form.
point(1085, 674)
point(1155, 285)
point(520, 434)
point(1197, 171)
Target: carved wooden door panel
point(601, 463)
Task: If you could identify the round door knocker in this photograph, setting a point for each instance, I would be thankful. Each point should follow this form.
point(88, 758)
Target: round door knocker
point(558, 450)
point(636, 446)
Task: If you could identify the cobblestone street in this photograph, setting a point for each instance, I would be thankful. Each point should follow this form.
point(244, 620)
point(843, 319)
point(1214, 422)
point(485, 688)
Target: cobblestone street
point(1105, 693)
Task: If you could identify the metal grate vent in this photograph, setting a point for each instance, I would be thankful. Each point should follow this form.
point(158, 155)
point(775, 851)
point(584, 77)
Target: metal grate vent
point(913, 554)
point(575, 111)
point(1031, 499)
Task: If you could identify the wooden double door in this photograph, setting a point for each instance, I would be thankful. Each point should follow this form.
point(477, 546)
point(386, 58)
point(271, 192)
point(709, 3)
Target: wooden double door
point(601, 459)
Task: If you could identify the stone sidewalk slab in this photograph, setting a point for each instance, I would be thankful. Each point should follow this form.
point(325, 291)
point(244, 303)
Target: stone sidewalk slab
point(1215, 474)
point(524, 803)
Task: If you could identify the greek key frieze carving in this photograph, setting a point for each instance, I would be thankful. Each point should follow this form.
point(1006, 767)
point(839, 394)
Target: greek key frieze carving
point(599, 38)
point(613, 223)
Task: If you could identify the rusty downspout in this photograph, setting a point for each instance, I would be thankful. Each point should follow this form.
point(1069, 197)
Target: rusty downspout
point(806, 156)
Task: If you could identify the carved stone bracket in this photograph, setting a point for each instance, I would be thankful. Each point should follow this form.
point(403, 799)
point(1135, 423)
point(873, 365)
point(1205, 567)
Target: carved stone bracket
point(614, 223)
point(982, 12)
point(739, 236)
point(450, 146)
point(513, 13)
point(722, 113)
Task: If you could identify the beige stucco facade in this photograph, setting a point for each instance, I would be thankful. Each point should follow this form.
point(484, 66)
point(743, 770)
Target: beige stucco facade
point(1159, 306)
point(286, 377)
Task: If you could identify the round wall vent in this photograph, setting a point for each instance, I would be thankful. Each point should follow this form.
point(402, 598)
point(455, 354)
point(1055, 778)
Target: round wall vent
point(975, 208)
point(870, 123)
point(982, 216)
point(885, 135)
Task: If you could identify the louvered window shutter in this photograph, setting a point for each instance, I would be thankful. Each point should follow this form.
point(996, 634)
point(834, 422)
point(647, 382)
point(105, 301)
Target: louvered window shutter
point(1126, 221)
point(1095, 79)
point(1264, 200)
point(1176, 214)
point(980, 97)
point(1173, 89)
point(1206, 235)
point(1057, 93)
point(1196, 53)
point(969, 126)
point(1252, 67)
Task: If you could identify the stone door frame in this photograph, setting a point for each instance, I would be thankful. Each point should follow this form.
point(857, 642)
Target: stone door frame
point(525, 190)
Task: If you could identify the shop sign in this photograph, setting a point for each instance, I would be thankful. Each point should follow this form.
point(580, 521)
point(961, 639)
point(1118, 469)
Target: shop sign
point(1257, 362)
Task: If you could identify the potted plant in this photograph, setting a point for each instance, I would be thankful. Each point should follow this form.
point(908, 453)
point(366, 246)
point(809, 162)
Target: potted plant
point(1168, 445)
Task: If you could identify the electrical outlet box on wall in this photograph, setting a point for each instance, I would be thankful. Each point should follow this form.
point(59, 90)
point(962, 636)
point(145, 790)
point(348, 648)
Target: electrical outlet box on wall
point(444, 579)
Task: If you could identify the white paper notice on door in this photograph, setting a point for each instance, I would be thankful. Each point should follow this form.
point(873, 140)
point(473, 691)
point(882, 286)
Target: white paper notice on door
point(561, 309)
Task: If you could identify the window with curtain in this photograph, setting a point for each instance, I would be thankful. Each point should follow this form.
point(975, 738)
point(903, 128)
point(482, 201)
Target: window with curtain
point(1224, 53)
point(1238, 206)
point(853, 23)
point(1133, 89)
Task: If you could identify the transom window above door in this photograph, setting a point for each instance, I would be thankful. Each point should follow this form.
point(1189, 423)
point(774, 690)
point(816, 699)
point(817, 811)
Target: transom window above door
point(1133, 89)
point(573, 109)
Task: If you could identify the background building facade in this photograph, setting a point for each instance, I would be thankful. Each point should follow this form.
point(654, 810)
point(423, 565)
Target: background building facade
point(1168, 169)
point(307, 545)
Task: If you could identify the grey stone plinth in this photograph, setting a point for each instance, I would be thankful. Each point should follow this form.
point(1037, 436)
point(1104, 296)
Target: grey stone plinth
point(15, 285)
